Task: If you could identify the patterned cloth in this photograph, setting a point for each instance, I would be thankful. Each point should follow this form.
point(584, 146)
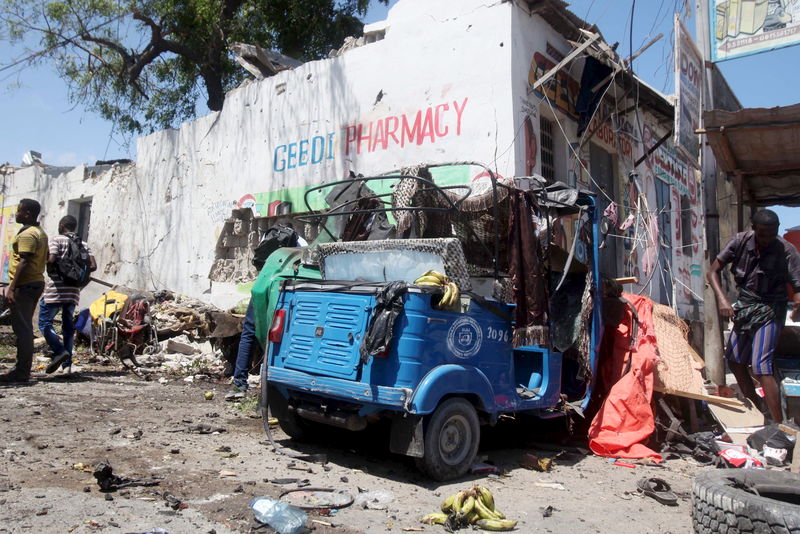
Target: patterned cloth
point(56, 291)
point(527, 273)
point(755, 348)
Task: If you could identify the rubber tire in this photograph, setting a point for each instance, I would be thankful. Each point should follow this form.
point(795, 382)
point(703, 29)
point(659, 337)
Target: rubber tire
point(457, 418)
point(272, 402)
point(720, 507)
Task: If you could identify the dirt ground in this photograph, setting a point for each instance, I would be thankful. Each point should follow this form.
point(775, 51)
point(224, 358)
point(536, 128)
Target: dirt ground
point(147, 429)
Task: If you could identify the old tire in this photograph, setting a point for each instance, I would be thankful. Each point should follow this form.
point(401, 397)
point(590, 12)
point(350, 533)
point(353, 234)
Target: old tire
point(724, 501)
point(452, 435)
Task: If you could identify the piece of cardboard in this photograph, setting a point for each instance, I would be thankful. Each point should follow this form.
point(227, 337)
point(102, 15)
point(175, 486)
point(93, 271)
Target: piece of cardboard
point(733, 417)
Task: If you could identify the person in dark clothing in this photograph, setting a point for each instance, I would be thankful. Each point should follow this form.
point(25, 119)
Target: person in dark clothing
point(762, 264)
point(244, 356)
point(275, 238)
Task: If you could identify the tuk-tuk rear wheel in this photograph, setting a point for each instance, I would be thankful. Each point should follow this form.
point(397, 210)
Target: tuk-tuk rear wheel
point(275, 404)
point(452, 435)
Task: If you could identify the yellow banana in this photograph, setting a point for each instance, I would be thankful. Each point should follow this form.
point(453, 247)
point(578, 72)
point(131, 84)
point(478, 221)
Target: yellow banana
point(456, 293)
point(458, 502)
point(442, 278)
point(483, 511)
point(467, 507)
point(445, 297)
point(426, 283)
point(447, 504)
point(472, 517)
point(428, 280)
point(486, 496)
point(496, 524)
point(499, 514)
point(434, 519)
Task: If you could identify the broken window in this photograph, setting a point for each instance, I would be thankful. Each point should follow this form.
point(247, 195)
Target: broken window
point(81, 209)
point(548, 149)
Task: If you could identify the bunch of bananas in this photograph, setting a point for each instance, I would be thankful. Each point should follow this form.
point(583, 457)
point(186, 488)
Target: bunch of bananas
point(452, 294)
point(474, 506)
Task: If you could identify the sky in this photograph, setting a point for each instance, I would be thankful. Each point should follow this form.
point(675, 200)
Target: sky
point(37, 114)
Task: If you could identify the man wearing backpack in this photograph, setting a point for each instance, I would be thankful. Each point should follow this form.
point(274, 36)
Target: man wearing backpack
point(68, 265)
point(26, 281)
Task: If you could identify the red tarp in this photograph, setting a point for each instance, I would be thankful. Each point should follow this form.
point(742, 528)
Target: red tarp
point(625, 419)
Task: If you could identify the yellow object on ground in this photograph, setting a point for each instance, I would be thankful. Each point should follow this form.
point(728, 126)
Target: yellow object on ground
point(108, 304)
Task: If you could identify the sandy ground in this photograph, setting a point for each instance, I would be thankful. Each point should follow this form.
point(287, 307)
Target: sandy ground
point(142, 428)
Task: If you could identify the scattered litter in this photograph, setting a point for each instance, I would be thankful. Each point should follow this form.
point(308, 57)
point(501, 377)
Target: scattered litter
point(550, 485)
point(223, 448)
point(547, 511)
point(296, 467)
point(481, 467)
point(317, 498)
point(374, 500)
point(86, 468)
point(209, 395)
point(737, 458)
point(323, 523)
point(282, 481)
point(625, 464)
point(536, 463)
point(281, 516)
point(174, 502)
point(226, 473)
point(108, 481)
point(412, 529)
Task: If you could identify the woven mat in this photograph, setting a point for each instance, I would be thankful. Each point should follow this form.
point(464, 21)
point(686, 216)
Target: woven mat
point(676, 370)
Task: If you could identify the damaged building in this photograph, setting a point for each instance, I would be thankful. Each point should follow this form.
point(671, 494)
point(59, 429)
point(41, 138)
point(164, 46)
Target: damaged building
point(522, 88)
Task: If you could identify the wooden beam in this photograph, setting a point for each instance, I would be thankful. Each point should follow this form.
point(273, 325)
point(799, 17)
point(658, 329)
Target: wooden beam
point(736, 403)
point(739, 180)
point(572, 55)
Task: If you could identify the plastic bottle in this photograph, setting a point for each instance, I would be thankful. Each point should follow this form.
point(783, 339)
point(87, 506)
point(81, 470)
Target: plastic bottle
point(283, 517)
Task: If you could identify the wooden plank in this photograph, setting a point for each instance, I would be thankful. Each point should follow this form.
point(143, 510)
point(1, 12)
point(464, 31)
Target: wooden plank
point(733, 417)
point(572, 55)
point(627, 280)
point(796, 456)
point(699, 396)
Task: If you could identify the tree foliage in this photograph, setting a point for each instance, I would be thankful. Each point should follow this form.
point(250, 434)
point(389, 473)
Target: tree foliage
point(144, 64)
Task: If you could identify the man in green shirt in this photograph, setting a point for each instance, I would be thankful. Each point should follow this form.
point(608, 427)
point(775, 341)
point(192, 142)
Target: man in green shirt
point(26, 283)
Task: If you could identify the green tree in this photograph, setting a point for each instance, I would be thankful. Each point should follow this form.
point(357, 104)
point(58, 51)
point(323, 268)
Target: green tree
point(144, 64)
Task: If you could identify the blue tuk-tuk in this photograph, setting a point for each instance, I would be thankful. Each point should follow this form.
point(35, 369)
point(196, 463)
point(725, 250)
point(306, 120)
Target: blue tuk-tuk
point(442, 372)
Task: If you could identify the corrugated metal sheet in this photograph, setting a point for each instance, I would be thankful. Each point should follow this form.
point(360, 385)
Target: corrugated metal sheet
point(763, 146)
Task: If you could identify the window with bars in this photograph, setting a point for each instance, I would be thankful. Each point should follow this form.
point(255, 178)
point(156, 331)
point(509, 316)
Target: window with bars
point(548, 149)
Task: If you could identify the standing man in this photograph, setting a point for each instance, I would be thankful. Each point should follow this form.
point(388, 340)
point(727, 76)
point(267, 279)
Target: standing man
point(26, 282)
point(60, 296)
point(762, 264)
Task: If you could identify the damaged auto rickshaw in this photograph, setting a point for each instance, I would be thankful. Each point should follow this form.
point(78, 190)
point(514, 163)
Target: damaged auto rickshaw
point(351, 338)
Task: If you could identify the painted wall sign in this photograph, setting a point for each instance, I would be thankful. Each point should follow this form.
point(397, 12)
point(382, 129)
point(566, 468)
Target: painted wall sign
point(303, 152)
point(425, 126)
point(744, 27)
point(465, 337)
point(688, 86)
